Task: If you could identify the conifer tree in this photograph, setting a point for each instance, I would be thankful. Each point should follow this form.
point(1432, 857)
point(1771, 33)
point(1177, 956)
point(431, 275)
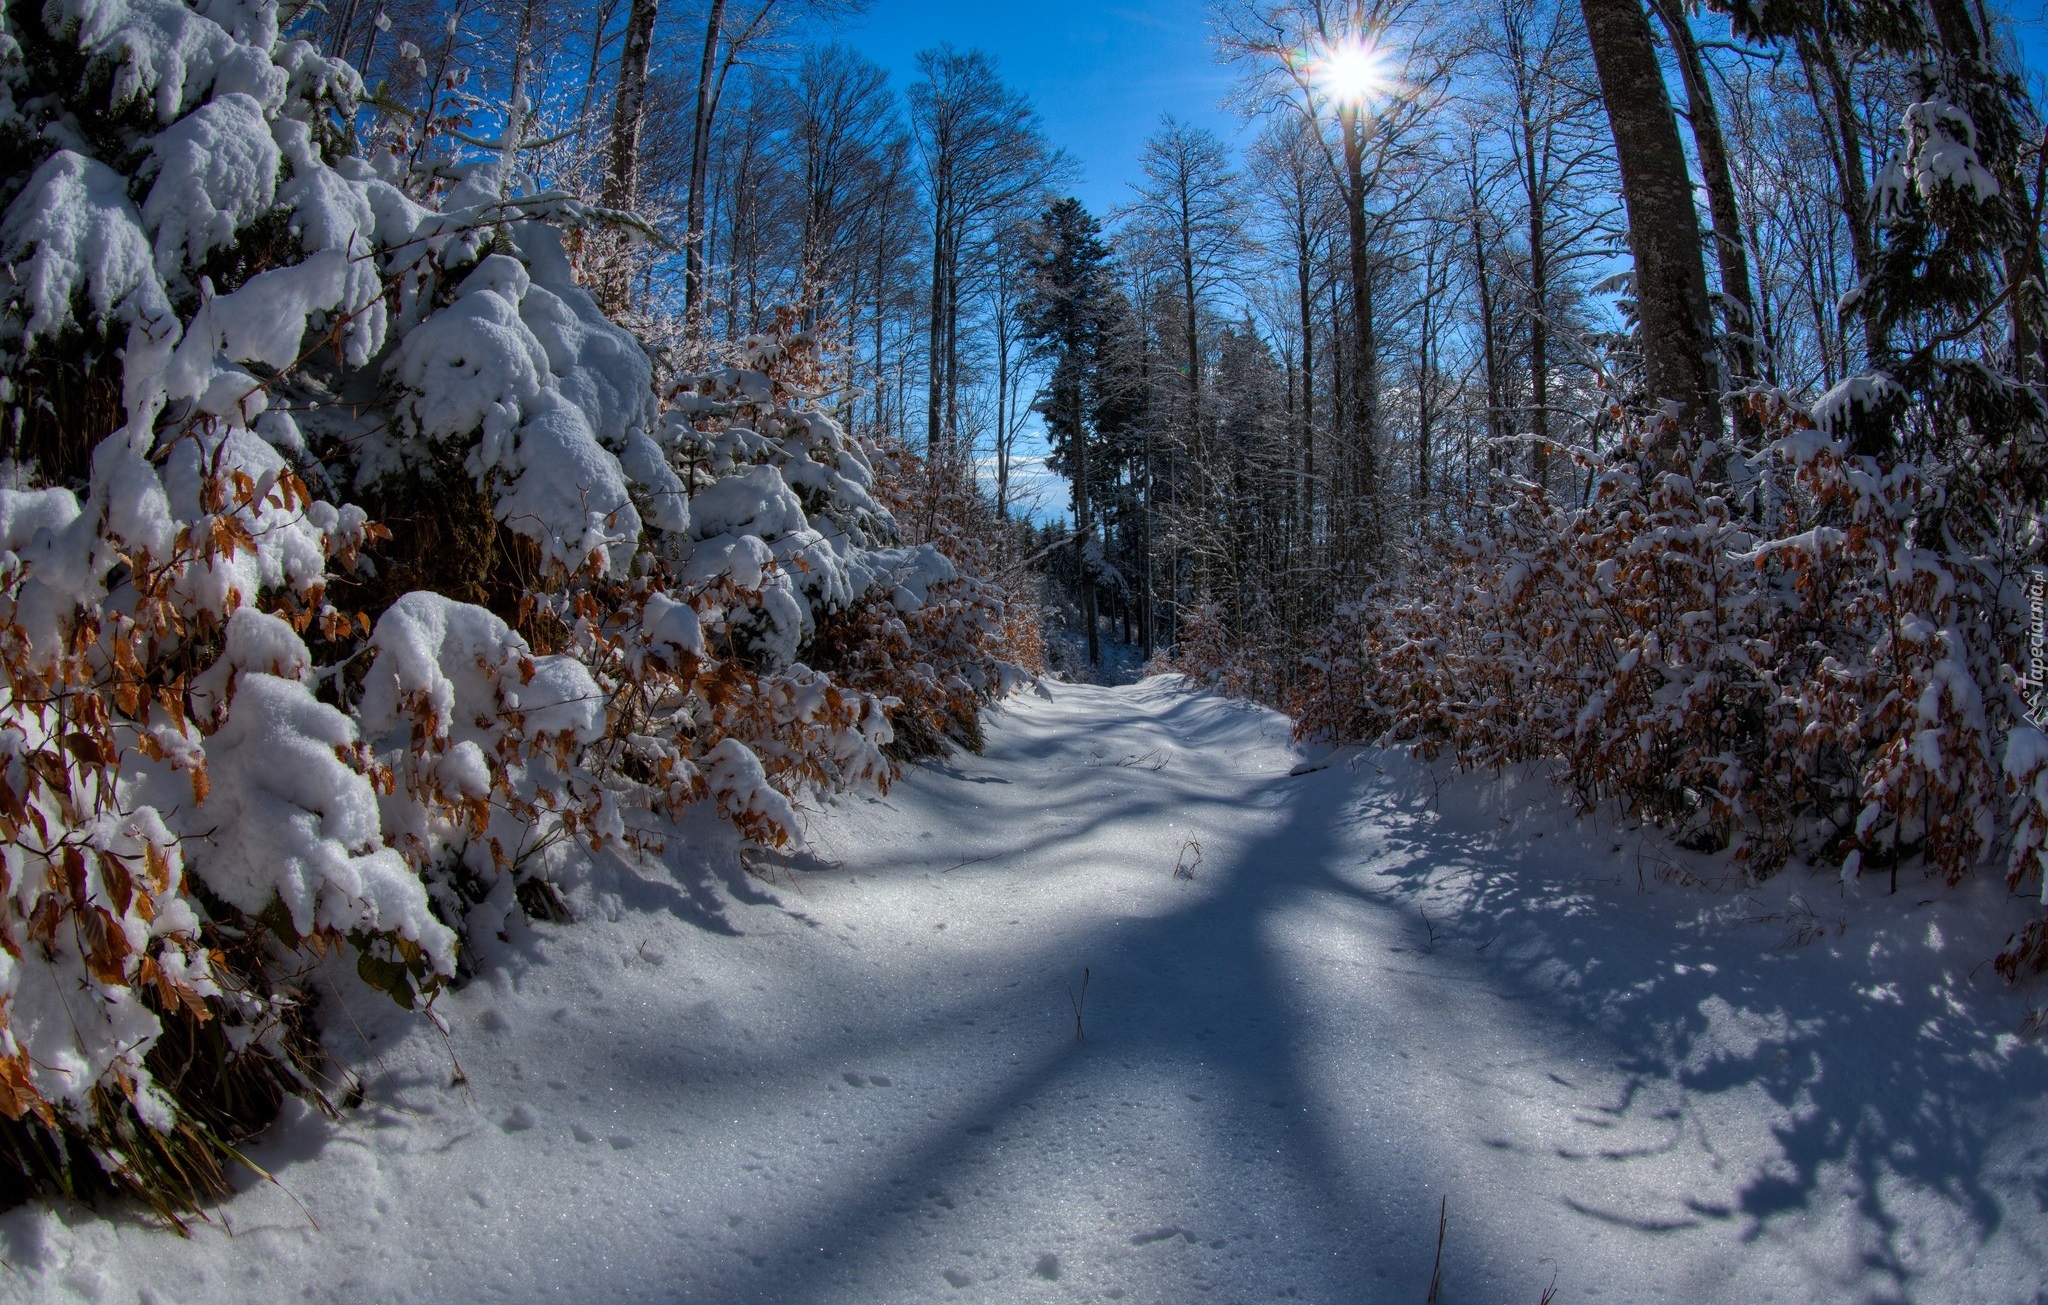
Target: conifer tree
point(1063, 316)
point(1957, 241)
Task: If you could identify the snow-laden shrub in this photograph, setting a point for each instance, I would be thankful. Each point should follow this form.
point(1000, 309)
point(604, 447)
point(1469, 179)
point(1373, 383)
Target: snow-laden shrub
point(947, 638)
point(484, 744)
point(182, 232)
point(169, 772)
point(242, 724)
point(1758, 652)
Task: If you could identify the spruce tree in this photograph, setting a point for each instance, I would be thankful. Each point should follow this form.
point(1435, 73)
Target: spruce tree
point(1063, 317)
point(1958, 251)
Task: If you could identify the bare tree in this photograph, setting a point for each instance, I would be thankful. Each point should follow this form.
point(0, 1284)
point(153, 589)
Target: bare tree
point(982, 153)
point(733, 35)
point(1287, 170)
point(1344, 66)
point(1192, 205)
point(1554, 139)
point(1008, 265)
point(846, 126)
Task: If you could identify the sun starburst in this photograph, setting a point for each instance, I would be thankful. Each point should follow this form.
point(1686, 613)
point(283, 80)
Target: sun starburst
point(1353, 71)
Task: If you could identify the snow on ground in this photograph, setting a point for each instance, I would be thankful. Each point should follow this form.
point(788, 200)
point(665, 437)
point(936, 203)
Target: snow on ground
point(1381, 989)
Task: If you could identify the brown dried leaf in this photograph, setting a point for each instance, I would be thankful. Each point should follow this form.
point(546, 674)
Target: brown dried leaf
point(91, 750)
point(118, 882)
point(105, 944)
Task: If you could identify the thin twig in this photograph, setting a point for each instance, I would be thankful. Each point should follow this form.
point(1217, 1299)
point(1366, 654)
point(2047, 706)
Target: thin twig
point(1436, 1271)
point(961, 865)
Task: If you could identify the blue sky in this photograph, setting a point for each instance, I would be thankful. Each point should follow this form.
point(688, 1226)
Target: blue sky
point(2030, 17)
point(1100, 75)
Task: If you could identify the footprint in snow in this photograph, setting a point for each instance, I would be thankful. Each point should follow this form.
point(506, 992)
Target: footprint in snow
point(958, 1278)
point(521, 1119)
point(582, 1134)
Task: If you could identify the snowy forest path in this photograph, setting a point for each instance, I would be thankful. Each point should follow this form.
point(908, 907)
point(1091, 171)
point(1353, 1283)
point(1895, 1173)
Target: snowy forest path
point(1110, 864)
point(1368, 996)
point(982, 1042)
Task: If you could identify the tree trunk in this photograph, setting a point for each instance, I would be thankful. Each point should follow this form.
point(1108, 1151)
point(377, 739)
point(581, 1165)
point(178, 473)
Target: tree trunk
point(935, 338)
point(1148, 617)
point(1818, 53)
point(340, 31)
point(1364, 383)
point(1488, 340)
point(1729, 247)
point(1533, 180)
point(515, 100)
point(1002, 418)
point(708, 80)
point(1083, 529)
point(1680, 361)
point(1198, 461)
point(956, 456)
point(1305, 289)
point(601, 18)
point(1422, 426)
point(629, 111)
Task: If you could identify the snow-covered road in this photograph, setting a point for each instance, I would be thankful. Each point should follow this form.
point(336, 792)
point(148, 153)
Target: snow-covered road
point(1381, 993)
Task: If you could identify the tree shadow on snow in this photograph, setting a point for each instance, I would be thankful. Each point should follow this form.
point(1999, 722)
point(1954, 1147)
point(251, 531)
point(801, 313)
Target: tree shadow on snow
point(1889, 1062)
point(1202, 1006)
point(1195, 999)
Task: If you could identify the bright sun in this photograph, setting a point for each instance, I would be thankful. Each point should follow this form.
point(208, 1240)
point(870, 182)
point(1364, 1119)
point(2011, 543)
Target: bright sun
point(1353, 71)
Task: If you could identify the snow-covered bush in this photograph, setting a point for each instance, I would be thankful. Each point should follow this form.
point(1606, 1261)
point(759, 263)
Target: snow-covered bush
point(484, 743)
point(946, 638)
point(354, 574)
point(169, 774)
point(1758, 652)
point(1814, 648)
point(179, 235)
